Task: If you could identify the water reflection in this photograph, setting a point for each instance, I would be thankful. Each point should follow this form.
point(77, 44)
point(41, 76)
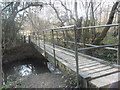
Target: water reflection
point(53, 69)
point(19, 69)
point(25, 70)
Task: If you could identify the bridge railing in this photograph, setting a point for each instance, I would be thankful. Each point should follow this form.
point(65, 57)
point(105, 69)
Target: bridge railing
point(53, 34)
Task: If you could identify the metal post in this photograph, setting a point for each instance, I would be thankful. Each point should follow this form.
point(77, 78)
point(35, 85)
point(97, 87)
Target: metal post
point(64, 39)
point(39, 39)
point(53, 47)
point(36, 38)
point(83, 37)
point(44, 43)
point(76, 56)
point(29, 39)
point(57, 36)
point(24, 38)
point(118, 53)
point(66, 32)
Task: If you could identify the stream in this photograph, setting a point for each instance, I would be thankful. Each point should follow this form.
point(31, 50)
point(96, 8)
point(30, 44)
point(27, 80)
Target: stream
point(16, 70)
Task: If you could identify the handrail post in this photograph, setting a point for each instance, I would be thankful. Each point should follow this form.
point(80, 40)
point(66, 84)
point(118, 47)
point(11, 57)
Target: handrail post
point(29, 39)
point(53, 47)
point(76, 56)
point(44, 43)
point(64, 39)
point(118, 53)
point(57, 36)
point(83, 37)
point(24, 38)
point(35, 38)
point(39, 39)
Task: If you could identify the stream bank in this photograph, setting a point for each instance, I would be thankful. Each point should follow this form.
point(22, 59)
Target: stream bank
point(25, 67)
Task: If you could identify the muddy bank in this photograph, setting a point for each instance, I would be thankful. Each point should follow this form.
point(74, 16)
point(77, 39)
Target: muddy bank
point(23, 52)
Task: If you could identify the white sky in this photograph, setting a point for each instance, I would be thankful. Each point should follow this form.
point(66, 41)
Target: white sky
point(54, 0)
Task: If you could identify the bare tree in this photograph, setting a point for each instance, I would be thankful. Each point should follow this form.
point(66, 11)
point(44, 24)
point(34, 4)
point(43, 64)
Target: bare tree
point(11, 10)
point(110, 20)
point(1, 52)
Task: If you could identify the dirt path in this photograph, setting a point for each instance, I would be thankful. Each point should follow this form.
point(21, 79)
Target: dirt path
point(44, 80)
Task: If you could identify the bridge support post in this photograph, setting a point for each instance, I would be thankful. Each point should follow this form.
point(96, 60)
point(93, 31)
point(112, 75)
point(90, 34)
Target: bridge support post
point(53, 47)
point(76, 56)
point(118, 53)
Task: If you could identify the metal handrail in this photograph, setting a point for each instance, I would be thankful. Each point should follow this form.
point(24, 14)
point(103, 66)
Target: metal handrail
point(96, 47)
point(72, 27)
point(86, 44)
point(99, 26)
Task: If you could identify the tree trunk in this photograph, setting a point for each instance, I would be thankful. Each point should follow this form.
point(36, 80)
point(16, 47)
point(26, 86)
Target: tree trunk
point(105, 30)
point(0, 51)
point(79, 32)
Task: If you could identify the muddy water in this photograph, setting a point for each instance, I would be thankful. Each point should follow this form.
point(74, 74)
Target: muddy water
point(17, 70)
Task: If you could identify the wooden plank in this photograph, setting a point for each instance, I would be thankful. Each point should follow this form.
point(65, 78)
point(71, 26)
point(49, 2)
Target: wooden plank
point(98, 70)
point(91, 65)
point(106, 80)
point(82, 62)
point(91, 68)
point(85, 63)
point(102, 73)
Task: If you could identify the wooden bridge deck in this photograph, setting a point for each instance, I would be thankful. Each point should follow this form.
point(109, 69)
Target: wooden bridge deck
point(100, 74)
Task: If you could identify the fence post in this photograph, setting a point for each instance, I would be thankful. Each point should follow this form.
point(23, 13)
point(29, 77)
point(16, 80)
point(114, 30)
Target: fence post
point(118, 53)
point(76, 56)
point(53, 47)
point(44, 43)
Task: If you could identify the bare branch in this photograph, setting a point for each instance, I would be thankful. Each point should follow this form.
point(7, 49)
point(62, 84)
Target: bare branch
point(97, 6)
point(7, 6)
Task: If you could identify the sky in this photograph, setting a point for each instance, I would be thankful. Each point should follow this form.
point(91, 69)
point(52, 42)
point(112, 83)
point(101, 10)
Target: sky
point(81, 10)
point(54, 0)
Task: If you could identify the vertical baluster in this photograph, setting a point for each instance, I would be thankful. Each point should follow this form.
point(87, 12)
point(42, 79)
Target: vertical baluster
point(76, 56)
point(53, 47)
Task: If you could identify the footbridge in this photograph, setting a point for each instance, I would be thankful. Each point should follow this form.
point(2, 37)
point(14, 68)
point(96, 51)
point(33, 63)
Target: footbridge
point(90, 71)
